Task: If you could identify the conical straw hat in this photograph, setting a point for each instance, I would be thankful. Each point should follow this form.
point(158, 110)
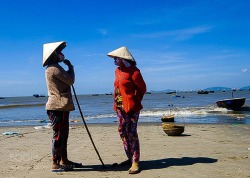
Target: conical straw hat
point(123, 53)
point(49, 48)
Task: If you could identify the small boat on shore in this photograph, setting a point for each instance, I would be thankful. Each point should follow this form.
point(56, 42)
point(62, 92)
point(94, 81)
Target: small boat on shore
point(170, 117)
point(233, 103)
point(167, 118)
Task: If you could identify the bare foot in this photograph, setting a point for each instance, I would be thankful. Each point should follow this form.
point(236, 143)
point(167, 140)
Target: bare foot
point(55, 166)
point(71, 163)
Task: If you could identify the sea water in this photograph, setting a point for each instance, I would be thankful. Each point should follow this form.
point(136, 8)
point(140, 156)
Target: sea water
point(190, 107)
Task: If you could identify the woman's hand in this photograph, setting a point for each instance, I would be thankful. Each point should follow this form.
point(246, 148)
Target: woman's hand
point(67, 62)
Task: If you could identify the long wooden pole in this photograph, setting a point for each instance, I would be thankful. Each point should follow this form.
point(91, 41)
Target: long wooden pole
point(87, 128)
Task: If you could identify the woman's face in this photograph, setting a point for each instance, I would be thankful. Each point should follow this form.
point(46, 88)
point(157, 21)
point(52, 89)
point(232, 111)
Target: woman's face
point(61, 56)
point(117, 61)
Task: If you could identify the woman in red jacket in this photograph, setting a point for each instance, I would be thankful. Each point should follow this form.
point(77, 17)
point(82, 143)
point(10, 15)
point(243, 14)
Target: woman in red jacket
point(129, 88)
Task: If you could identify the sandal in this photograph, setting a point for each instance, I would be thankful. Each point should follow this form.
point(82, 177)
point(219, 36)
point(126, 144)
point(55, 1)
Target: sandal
point(58, 170)
point(67, 167)
point(135, 169)
point(130, 171)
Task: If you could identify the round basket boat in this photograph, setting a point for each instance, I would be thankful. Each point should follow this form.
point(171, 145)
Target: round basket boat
point(172, 129)
point(167, 118)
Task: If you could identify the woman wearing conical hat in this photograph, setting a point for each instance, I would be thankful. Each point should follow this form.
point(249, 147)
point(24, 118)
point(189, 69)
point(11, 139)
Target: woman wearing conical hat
point(59, 102)
point(129, 89)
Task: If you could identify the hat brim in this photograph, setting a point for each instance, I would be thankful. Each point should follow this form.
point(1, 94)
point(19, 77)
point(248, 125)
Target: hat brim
point(59, 46)
point(123, 53)
point(111, 56)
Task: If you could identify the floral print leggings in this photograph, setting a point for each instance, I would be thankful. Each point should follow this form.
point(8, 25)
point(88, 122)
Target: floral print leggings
point(127, 129)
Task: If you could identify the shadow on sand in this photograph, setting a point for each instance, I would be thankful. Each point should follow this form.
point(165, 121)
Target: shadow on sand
point(168, 162)
point(153, 164)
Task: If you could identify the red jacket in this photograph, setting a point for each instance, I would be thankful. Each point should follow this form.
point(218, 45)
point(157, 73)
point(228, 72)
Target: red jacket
point(132, 88)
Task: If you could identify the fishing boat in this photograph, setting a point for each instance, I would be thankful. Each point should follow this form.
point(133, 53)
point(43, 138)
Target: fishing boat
point(108, 93)
point(202, 92)
point(37, 95)
point(233, 103)
point(176, 96)
point(171, 92)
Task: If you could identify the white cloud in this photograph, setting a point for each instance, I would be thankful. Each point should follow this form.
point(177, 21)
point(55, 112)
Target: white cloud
point(181, 34)
point(226, 51)
point(244, 70)
point(103, 31)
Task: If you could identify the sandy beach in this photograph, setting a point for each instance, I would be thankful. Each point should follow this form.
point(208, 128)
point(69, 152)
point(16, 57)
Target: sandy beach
point(203, 150)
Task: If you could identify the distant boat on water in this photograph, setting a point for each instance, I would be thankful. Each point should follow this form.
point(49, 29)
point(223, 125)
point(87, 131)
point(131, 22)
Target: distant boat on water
point(202, 92)
point(177, 96)
point(37, 95)
point(108, 93)
point(171, 92)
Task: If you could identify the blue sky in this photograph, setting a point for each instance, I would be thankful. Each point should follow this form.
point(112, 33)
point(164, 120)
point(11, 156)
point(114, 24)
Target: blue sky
point(182, 45)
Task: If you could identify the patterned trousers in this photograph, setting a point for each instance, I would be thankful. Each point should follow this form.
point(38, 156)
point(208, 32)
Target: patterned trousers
point(60, 123)
point(127, 129)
